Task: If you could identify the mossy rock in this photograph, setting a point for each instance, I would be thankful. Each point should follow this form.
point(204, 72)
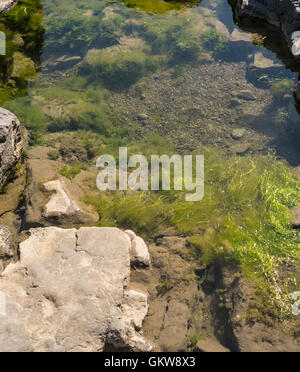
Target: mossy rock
point(23, 67)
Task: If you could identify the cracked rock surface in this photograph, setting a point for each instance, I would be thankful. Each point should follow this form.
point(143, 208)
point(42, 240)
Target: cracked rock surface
point(70, 292)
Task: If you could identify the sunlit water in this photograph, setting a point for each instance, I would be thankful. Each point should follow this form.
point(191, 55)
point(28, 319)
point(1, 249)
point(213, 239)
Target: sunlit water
point(177, 75)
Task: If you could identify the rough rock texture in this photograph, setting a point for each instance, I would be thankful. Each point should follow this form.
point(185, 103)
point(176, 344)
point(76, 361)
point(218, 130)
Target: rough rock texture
point(6, 5)
point(65, 195)
point(10, 144)
point(282, 14)
point(139, 252)
point(5, 248)
point(235, 327)
point(190, 302)
point(70, 292)
point(60, 204)
point(204, 346)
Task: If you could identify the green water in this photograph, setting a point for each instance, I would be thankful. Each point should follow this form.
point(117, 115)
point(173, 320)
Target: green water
point(182, 78)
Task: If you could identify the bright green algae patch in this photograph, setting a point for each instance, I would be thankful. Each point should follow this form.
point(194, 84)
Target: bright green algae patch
point(244, 216)
point(159, 6)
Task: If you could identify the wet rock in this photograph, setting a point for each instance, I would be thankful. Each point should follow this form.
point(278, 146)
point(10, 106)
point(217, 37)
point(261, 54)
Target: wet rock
point(255, 335)
point(245, 95)
point(238, 133)
point(210, 346)
point(11, 145)
point(69, 292)
point(5, 244)
point(295, 217)
point(237, 36)
point(240, 149)
point(63, 62)
point(297, 93)
point(262, 69)
point(22, 65)
point(296, 48)
point(235, 102)
point(173, 337)
point(142, 117)
point(60, 204)
point(283, 14)
point(73, 150)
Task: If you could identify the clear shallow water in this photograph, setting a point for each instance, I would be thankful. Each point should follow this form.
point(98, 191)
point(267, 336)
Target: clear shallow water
point(188, 64)
point(189, 79)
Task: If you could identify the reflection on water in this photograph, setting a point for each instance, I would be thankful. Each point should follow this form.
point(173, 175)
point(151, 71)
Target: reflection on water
point(193, 76)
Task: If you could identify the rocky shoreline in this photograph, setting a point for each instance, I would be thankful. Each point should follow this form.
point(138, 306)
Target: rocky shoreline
point(284, 15)
point(72, 287)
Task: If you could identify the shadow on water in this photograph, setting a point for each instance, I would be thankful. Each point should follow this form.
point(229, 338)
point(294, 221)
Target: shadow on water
point(24, 36)
point(285, 142)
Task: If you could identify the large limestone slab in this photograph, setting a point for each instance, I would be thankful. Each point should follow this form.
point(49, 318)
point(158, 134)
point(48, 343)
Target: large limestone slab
point(69, 292)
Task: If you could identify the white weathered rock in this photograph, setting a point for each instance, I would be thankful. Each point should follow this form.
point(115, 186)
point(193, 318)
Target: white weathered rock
point(60, 204)
point(69, 292)
point(10, 144)
point(135, 307)
point(5, 247)
point(139, 251)
point(6, 5)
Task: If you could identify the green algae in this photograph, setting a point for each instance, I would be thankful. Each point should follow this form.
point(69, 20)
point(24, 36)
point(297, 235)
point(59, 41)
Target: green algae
point(24, 32)
point(243, 218)
point(118, 68)
point(159, 6)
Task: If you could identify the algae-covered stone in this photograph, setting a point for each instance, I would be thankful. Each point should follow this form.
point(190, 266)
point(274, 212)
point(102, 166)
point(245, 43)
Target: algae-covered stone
point(11, 145)
point(23, 67)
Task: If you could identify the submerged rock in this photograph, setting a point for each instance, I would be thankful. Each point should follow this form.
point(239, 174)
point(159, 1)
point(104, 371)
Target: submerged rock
point(238, 133)
point(11, 145)
point(295, 217)
point(210, 346)
point(70, 292)
point(245, 95)
point(297, 93)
